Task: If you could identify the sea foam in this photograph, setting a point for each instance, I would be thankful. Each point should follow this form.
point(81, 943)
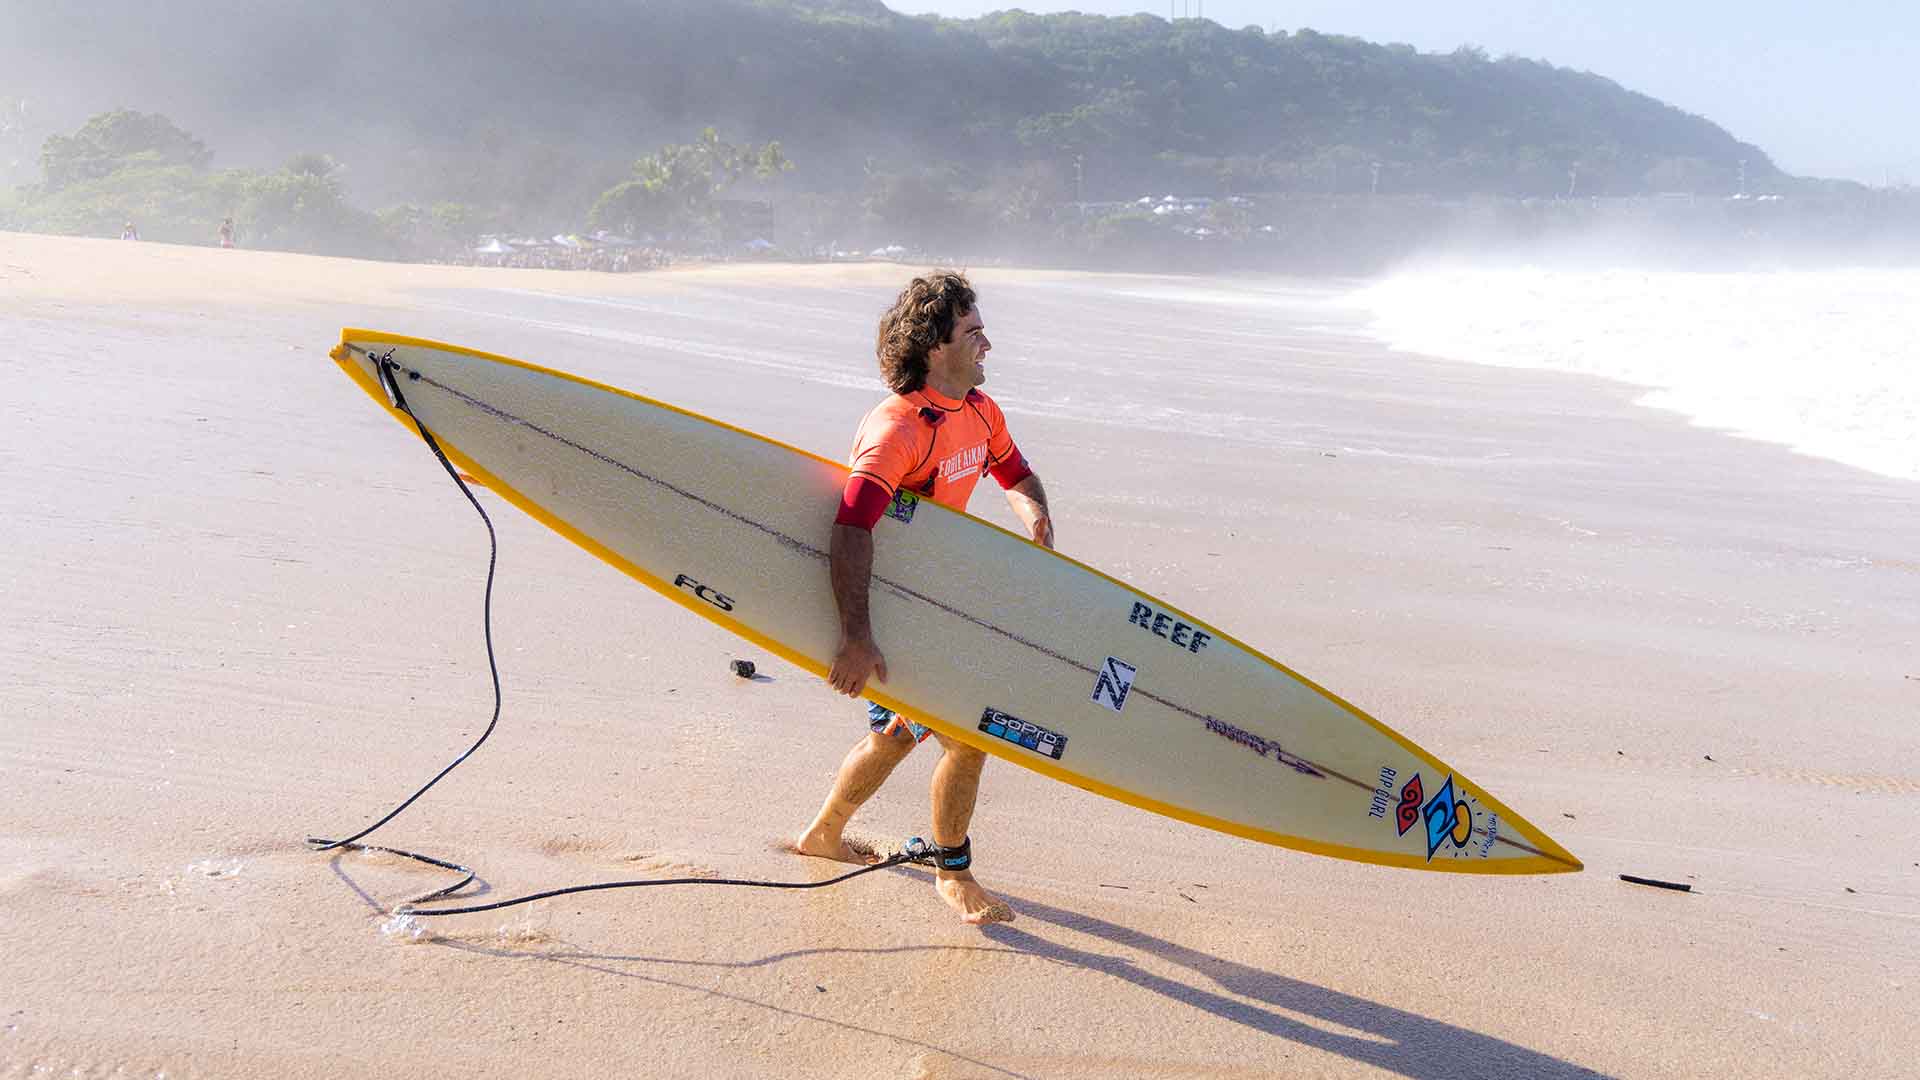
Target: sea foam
point(1827, 362)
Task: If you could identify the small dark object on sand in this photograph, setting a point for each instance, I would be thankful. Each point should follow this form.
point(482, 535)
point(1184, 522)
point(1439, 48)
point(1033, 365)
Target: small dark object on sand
point(743, 668)
point(1656, 883)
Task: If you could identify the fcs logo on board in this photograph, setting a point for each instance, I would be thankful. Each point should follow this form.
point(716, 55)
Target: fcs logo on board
point(1114, 684)
point(711, 596)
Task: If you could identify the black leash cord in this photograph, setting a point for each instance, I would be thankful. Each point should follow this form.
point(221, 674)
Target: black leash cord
point(386, 368)
point(913, 854)
point(917, 850)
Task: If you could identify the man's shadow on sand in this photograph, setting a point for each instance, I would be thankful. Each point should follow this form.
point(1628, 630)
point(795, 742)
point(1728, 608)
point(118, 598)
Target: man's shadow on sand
point(1391, 1039)
point(1394, 1039)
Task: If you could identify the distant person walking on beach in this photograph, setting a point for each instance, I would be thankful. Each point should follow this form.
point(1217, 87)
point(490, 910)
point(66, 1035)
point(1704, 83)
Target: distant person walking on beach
point(128, 232)
point(226, 233)
point(934, 436)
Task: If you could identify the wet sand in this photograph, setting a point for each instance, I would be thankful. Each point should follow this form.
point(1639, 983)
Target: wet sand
point(243, 608)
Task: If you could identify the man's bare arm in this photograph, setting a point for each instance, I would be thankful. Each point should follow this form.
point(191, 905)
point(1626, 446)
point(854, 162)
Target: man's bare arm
point(850, 562)
point(1029, 502)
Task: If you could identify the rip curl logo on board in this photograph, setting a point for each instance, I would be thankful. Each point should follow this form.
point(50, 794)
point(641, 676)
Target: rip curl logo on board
point(1382, 798)
point(1448, 819)
point(1451, 819)
point(1408, 812)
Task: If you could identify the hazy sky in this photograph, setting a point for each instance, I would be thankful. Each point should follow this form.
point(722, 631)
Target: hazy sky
point(1826, 89)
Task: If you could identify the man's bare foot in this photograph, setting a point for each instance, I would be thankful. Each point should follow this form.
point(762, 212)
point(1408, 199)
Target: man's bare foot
point(975, 905)
point(822, 845)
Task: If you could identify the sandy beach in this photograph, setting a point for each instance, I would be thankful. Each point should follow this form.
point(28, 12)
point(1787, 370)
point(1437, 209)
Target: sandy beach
point(243, 608)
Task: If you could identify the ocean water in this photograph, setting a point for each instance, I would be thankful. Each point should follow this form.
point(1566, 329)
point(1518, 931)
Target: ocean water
point(1826, 362)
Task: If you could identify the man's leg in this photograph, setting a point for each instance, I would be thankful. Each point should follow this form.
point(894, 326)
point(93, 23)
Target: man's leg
point(866, 767)
point(956, 787)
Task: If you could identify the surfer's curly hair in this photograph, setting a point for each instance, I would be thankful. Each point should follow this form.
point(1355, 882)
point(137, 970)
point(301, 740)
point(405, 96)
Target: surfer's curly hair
point(922, 317)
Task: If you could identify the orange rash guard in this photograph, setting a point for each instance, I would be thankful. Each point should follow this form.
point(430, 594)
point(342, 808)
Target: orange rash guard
point(931, 445)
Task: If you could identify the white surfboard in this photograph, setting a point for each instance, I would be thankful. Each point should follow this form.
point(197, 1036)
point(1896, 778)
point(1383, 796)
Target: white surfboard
point(991, 639)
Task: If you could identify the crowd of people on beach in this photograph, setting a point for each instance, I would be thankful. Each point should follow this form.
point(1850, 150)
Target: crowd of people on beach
point(608, 259)
point(607, 255)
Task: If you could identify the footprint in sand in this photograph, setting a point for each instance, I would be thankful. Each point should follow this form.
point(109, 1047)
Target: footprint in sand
point(865, 850)
point(574, 844)
point(667, 864)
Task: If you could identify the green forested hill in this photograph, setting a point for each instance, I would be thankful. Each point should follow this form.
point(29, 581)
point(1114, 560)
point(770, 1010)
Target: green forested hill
point(1287, 112)
point(435, 94)
point(523, 115)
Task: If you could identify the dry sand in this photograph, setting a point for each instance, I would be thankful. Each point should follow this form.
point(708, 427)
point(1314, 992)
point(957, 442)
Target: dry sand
point(241, 608)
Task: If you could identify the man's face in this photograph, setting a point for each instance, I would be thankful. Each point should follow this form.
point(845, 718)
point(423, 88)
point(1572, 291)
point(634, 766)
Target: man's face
point(961, 360)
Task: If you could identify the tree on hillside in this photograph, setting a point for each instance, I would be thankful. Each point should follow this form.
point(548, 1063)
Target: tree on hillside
point(117, 140)
point(304, 207)
point(14, 154)
point(675, 188)
point(443, 230)
point(1689, 175)
point(318, 166)
point(125, 166)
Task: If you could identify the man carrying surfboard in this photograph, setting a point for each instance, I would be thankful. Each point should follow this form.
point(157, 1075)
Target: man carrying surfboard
point(932, 438)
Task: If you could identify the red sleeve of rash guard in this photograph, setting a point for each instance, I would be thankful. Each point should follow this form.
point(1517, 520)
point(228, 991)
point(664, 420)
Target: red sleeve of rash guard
point(1012, 469)
point(862, 503)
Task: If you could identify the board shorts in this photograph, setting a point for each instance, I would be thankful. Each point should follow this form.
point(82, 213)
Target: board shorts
point(884, 721)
